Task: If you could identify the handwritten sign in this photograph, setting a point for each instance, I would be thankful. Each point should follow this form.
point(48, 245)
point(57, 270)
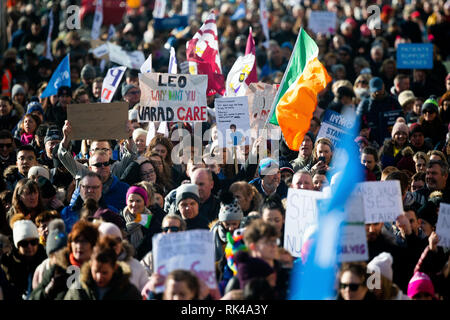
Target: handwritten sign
point(334, 127)
point(233, 121)
point(173, 97)
point(415, 56)
point(382, 200)
point(322, 22)
point(301, 214)
point(189, 250)
point(98, 121)
point(353, 242)
point(443, 225)
point(260, 97)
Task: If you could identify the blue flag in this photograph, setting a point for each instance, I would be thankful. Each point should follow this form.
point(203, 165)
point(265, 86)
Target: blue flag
point(314, 279)
point(239, 13)
point(61, 77)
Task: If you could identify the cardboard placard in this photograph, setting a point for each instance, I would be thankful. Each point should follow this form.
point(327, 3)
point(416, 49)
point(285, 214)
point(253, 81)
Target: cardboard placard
point(189, 250)
point(443, 225)
point(334, 126)
point(260, 99)
point(322, 22)
point(98, 121)
point(172, 97)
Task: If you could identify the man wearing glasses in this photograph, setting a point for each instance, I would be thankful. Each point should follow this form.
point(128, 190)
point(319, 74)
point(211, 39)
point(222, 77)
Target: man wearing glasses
point(26, 158)
point(19, 265)
point(7, 154)
point(114, 190)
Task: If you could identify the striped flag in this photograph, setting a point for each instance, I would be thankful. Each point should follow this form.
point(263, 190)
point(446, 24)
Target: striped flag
point(296, 99)
point(202, 52)
point(251, 49)
point(143, 219)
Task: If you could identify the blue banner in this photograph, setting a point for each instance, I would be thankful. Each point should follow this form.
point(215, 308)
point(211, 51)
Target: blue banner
point(61, 77)
point(171, 22)
point(415, 56)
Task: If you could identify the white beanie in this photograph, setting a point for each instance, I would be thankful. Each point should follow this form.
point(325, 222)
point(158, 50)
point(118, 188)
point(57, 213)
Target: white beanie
point(382, 262)
point(38, 171)
point(110, 229)
point(24, 229)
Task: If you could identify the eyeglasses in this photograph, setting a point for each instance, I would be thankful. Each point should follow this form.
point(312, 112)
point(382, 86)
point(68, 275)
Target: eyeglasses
point(100, 149)
point(5, 145)
point(90, 187)
point(351, 286)
point(26, 243)
point(101, 164)
point(173, 229)
point(362, 82)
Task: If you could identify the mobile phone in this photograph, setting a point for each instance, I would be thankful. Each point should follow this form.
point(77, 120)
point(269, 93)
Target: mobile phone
point(322, 159)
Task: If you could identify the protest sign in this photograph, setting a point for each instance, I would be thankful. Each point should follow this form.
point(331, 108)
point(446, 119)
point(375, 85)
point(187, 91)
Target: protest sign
point(353, 242)
point(301, 214)
point(382, 200)
point(111, 82)
point(387, 120)
point(132, 60)
point(260, 97)
point(190, 250)
point(170, 23)
point(415, 56)
point(322, 22)
point(98, 121)
point(233, 121)
point(172, 97)
point(443, 225)
point(334, 126)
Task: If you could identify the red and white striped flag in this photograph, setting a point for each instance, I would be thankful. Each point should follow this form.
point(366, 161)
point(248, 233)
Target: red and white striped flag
point(202, 52)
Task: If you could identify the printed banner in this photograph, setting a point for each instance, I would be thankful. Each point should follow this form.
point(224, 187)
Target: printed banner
point(173, 97)
point(443, 225)
point(111, 82)
point(334, 126)
point(415, 56)
point(260, 98)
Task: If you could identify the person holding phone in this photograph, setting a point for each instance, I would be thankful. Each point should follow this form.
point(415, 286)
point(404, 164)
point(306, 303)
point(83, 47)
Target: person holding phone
point(322, 154)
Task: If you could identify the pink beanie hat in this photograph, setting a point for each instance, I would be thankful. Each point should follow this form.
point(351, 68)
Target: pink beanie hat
point(137, 190)
point(420, 282)
point(400, 126)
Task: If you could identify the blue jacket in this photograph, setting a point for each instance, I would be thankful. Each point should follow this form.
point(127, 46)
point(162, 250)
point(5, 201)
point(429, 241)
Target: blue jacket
point(115, 196)
point(282, 189)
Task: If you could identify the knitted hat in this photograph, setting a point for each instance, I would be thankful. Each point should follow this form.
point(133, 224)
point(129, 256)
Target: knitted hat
point(52, 136)
point(249, 268)
point(108, 215)
point(382, 262)
point(399, 127)
point(185, 191)
point(127, 87)
point(109, 229)
point(38, 171)
point(430, 104)
point(34, 106)
point(229, 208)
point(137, 190)
point(286, 166)
point(415, 127)
point(57, 236)
point(267, 166)
point(420, 283)
point(17, 88)
point(88, 72)
point(311, 136)
point(428, 212)
point(46, 188)
point(24, 229)
point(405, 97)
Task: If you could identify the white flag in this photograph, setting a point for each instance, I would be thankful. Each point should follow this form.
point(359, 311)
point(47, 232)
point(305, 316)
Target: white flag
point(173, 62)
point(159, 9)
point(147, 65)
point(189, 8)
point(48, 53)
point(151, 132)
point(264, 16)
point(236, 79)
point(111, 82)
point(163, 129)
point(98, 20)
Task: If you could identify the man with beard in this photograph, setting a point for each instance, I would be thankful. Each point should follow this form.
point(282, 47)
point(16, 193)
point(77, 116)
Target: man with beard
point(436, 180)
point(269, 181)
point(304, 159)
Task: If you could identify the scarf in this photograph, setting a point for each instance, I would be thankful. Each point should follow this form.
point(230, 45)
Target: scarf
point(134, 225)
point(26, 138)
point(74, 261)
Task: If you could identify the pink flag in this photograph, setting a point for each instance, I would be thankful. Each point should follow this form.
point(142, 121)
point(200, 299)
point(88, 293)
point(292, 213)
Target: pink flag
point(250, 48)
point(202, 52)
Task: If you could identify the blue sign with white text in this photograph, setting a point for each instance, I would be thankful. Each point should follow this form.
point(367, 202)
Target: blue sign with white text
point(415, 56)
point(171, 22)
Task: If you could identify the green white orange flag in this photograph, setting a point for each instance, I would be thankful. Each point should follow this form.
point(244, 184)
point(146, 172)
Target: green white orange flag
point(296, 99)
point(143, 219)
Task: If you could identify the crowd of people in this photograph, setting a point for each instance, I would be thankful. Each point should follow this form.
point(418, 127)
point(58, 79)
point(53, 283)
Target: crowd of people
point(90, 208)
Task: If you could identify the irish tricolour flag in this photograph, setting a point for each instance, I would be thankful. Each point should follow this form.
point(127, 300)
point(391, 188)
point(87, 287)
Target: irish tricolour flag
point(143, 219)
point(296, 99)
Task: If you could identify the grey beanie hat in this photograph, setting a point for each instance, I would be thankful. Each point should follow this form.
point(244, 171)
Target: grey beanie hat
point(17, 88)
point(185, 191)
point(229, 208)
point(88, 72)
point(127, 87)
point(57, 236)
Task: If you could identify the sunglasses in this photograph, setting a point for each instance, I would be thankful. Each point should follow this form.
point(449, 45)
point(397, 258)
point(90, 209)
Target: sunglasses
point(101, 164)
point(173, 229)
point(363, 82)
point(26, 243)
point(7, 145)
point(351, 286)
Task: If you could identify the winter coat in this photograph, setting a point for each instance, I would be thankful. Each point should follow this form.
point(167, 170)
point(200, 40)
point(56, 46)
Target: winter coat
point(387, 157)
point(12, 176)
point(119, 288)
point(220, 240)
point(19, 270)
point(138, 275)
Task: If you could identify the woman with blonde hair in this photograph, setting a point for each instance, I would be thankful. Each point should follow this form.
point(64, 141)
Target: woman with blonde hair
point(247, 195)
point(322, 154)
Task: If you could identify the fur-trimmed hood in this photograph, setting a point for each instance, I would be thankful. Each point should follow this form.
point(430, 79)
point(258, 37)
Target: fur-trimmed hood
point(10, 172)
point(127, 251)
point(407, 152)
point(62, 258)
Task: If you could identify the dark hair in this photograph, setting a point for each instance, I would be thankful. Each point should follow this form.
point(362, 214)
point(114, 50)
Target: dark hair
point(85, 229)
point(442, 164)
point(7, 99)
point(273, 202)
point(259, 229)
point(92, 174)
point(158, 178)
point(23, 185)
point(6, 134)
point(35, 118)
point(357, 268)
point(104, 252)
point(46, 216)
point(26, 147)
point(402, 177)
point(372, 151)
point(189, 278)
point(258, 289)
point(419, 176)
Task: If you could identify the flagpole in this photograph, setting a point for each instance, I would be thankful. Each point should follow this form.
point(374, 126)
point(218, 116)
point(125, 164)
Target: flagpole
point(274, 103)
